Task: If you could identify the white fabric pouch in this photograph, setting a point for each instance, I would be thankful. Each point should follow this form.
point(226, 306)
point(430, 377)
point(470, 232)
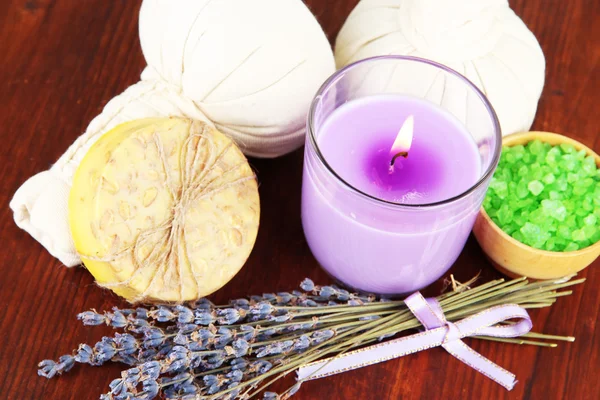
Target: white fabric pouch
point(250, 68)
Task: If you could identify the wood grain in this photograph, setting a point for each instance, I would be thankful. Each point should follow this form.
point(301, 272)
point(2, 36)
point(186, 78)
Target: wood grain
point(63, 60)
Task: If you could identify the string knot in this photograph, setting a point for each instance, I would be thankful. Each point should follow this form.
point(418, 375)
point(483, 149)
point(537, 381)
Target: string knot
point(199, 171)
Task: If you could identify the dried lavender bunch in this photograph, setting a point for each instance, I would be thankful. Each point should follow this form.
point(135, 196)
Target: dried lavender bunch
point(209, 352)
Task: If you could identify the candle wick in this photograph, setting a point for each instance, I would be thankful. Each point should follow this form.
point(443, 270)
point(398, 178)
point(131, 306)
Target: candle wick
point(401, 154)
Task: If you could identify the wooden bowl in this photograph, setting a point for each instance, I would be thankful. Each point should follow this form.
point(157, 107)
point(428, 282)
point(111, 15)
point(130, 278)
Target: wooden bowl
point(514, 258)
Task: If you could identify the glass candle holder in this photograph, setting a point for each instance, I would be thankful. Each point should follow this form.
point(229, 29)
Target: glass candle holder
point(363, 234)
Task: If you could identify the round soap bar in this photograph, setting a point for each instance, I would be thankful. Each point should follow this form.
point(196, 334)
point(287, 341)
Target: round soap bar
point(164, 210)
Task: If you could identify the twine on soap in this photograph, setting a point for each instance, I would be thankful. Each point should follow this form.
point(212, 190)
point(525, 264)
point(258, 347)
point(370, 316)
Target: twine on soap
point(193, 186)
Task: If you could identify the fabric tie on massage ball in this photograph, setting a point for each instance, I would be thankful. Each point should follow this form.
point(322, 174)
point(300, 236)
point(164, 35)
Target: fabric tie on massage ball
point(250, 68)
point(481, 39)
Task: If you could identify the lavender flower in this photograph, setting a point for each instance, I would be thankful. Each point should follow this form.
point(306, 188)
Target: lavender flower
point(247, 332)
point(126, 359)
point(321, 336)
point(327, 292)
point(270, 332)
point(281, 318)
point(210, 380)
point(235, 376)
point(196, 346)
point(228, 316)
point(214, 361)
point(91, 318)
point(153, 337)
point(105, 350)
point(138, 325)
point(49, 368)
point(162, 314)
point(65, 364)
point(256, 299)
point(126, 343)
point(179, 385)
point(185, 315)
point(85, 354)
point(164, 350)
point(307, 285)
point(167, 345)
point(270, 297)
point(275, 348)
point(203, 336)
point(141, 313)
point(213, 389)
point(187, 390)
point(181, 339)
point(234, 393)
point(178, 359)
point(343, 295)
point(203, 304)
point(308, 303)
point(310, 325)
point(203, 317)
point(296, 327)
point(151, 389)
point(240, 347)
point(118, 387)
point(147, 355)
point(131, 377)
point(116, 319)
point(170, 393)
point(238, 364)
point(188, 328)
point(225, 337)
point(241, 304)
point(178, 380)
point(284, 298)
point(150, 370)
point(213, 383)
point(196, 359)
point(261, 310)
point(302, 343)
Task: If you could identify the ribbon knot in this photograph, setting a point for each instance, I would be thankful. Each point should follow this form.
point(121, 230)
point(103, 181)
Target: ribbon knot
point(430, 314)
point(452, 334)
point(438, 332)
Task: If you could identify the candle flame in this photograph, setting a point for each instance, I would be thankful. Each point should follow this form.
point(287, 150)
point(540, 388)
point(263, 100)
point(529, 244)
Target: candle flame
point(405, 136)
point(403, 141)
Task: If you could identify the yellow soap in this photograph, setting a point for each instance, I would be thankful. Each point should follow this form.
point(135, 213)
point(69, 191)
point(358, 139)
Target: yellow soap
point(164, 210)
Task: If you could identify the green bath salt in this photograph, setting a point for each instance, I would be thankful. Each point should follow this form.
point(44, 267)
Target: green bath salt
point(547, 197)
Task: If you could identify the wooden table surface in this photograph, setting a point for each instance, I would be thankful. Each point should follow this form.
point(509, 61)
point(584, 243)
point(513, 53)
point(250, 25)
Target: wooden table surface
point(64, 59)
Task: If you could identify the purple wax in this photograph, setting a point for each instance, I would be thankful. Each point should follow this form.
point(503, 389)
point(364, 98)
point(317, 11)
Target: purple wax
point(376, 246)
point(443, 161)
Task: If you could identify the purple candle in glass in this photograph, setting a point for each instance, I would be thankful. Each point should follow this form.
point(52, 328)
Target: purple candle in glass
point(381, 212)
point(441, 161)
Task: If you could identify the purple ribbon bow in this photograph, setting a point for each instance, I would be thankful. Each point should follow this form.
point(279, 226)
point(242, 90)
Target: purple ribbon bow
point(438, 332)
